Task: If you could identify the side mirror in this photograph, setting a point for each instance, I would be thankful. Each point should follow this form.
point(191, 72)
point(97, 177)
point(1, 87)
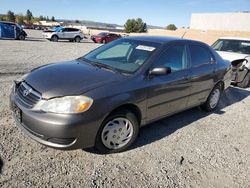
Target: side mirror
point(160, 71)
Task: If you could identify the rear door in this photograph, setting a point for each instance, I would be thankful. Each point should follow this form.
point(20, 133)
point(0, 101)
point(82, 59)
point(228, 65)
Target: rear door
point(168, 94)
point(8, 31)
point(202, 73)
point(72, 32)
point(67, 33)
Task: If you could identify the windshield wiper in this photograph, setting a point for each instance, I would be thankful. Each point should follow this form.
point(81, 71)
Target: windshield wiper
point(100, 65)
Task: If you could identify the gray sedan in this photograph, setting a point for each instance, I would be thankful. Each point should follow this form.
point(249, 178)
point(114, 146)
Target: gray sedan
point(102, 99)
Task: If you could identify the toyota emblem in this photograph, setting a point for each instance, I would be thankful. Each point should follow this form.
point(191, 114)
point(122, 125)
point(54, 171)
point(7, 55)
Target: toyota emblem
point(27, 92)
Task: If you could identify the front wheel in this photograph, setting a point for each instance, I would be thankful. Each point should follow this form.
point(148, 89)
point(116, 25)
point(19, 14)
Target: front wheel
point(117, 132)
point(213, 99)
point(54, 38)
point(245, 82)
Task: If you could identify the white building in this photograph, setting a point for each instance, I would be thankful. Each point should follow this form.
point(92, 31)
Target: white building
point(239, 21)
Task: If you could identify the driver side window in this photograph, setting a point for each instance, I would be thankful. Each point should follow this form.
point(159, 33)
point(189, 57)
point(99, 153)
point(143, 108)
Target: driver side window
point(174, 57)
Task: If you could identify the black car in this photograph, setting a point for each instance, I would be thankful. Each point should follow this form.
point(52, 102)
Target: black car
point(10, 30)
point(103, 98)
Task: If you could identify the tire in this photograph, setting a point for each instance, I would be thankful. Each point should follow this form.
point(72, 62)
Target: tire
point(245, 82)
point(104, 41)
point(77, 39)
point(21, 37)
point(54, 38)
point(121, 126)
point(213, 99)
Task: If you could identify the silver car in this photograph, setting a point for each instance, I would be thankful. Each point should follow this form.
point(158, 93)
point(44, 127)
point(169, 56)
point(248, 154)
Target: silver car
point(71, 34)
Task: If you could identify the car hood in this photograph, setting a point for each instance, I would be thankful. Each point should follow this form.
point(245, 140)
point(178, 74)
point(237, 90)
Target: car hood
point(69, 78)
point(231, 56)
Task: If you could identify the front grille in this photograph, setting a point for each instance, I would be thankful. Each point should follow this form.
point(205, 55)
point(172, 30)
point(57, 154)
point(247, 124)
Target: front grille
point(27, 95)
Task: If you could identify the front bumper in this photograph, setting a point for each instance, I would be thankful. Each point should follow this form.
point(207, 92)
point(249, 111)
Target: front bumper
point(59, 131)
point(239, 75)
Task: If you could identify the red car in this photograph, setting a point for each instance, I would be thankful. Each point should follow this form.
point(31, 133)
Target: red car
point(105, 37)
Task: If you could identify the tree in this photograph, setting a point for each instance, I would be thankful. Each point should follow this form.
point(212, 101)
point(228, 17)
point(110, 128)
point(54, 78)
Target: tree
point(171, 27)
point(29, 15)
point(136, 26)
point(11, 16)
point(41, 18)
point(53, 19)
point(77, 21)
point(2, 18)
point(19, 19)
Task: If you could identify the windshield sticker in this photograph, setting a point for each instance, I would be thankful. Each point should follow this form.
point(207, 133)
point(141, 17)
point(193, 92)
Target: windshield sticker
point(145, 48)
point(245, 44)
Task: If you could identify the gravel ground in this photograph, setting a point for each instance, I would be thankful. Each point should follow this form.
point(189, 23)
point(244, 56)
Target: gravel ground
point(190, 149)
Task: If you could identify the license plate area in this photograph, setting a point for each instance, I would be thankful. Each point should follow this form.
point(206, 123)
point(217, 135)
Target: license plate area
point(17, 113)
point(234, 75)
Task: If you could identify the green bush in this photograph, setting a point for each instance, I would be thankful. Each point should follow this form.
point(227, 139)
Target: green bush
point(171, 27)
point(135, 26)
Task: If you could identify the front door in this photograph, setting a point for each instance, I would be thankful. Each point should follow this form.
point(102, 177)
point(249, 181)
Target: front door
point(168, 94)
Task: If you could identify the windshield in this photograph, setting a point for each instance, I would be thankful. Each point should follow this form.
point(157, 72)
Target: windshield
point(237, 46)
point(125, 56)
point(57, 28)
point(102, 34)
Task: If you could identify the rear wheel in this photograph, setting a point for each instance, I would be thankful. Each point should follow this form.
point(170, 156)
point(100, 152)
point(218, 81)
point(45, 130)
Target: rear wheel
point(21, 37)
point(213, 99)
point(245, 82)
point(77, 39)
point(54, 38)
point(117, 132)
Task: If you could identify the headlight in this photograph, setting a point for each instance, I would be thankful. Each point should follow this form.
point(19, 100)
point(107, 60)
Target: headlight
point(65, 105)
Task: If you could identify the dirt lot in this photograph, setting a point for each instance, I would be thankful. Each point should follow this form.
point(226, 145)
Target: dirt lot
point(190, 149)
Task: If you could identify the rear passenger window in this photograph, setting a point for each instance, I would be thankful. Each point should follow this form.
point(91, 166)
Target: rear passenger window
point(174, 57)
point(200, 55)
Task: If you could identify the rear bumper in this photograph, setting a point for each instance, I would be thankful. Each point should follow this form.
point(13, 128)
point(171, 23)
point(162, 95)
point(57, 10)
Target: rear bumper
point(59, 131)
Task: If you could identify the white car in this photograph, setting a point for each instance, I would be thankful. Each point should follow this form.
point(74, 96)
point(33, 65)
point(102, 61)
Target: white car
point(61, 33)
point(237, 51)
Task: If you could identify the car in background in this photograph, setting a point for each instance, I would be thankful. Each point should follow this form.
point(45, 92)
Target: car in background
point(105, 37)
point(61, 33)
point(103, 98)
point(237, 51)
point(10, 30)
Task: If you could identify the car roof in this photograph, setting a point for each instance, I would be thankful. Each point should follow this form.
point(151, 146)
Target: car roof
point(5, 22)
point(161, 39)
point(235, 38)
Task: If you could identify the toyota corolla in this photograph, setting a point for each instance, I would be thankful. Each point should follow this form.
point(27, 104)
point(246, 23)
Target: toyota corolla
point(102, 99)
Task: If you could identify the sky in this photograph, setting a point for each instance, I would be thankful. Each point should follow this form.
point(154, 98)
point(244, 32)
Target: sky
point(153, 12)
